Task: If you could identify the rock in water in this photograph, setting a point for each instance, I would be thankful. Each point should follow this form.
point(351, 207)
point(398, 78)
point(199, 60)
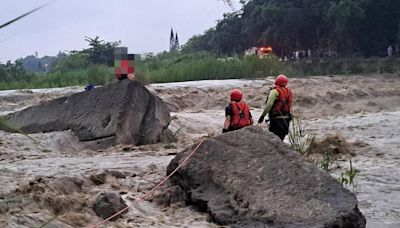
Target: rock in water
point(108, 204)
point(120, 113)
point(249, 178)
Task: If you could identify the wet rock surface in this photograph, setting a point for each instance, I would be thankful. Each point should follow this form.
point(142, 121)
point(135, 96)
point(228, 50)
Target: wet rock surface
point(168, 195)
point(249, 178)
point(120, 113)
point(371, 122)
point(109, 203)
point(332, 145)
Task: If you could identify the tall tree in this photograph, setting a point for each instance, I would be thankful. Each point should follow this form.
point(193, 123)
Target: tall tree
point(172, 41)
point(176, 46)
point(345, 26)
point(100, 52)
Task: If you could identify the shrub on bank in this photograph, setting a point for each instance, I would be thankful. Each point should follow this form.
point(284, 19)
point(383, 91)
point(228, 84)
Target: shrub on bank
point(98, 74)
point(214, 68)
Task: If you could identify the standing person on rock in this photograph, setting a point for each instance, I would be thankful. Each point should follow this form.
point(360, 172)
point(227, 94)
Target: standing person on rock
point(278, 107)
point(237, 113)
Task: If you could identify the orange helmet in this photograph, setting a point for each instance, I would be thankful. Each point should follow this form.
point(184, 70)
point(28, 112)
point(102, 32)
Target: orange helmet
point(236, 95)
point(281, 80)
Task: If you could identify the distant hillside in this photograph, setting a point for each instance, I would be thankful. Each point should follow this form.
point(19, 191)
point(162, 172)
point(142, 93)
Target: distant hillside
point(36, 65)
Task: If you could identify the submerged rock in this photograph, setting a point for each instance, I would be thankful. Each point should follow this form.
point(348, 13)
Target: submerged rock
point(167, 196)
point(332, 145)
point(108, 204)
point(249, 178)
point(120, 113)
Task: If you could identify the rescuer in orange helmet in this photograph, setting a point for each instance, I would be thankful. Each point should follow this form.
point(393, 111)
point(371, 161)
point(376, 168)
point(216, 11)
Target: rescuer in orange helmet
point(278, 107)
point(237, 113)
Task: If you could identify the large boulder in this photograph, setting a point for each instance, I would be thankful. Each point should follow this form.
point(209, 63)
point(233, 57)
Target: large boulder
point(249, 178)
point(120, 113)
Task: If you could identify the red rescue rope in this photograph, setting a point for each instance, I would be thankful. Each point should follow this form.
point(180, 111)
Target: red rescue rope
point(152, 190)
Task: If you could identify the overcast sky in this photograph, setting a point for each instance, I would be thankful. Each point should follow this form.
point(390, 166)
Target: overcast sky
point(141, 25)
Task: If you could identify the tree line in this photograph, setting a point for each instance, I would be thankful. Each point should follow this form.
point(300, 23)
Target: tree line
point(28, 69)
point(13, 71)
point(348, 27)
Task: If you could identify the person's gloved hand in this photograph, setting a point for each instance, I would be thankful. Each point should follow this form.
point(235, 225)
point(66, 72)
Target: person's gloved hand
point(261, 119)
point(224, 130)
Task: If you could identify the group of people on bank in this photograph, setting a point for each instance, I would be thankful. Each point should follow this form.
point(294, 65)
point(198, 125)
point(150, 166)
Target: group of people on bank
point(278, 107)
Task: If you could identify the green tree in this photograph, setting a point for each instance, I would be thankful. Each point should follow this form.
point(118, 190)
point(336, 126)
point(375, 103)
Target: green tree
point(346, 26)
point(100, 52)
point(13, 72)
point(343, 17)
point(75, 60)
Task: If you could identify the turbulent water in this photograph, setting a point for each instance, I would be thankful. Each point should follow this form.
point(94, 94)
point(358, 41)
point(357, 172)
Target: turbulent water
point(197, 111)
point(378, 183)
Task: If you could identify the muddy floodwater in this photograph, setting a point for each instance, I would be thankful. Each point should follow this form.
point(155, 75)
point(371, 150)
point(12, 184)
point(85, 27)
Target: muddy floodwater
point(378, 183)
point(365, 110)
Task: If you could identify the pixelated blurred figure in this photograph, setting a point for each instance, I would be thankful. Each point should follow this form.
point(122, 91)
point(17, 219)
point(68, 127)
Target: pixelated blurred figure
point(123, 63)
point(131, 77)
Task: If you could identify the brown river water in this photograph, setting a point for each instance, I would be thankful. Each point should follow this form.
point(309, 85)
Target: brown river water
point(31, 172)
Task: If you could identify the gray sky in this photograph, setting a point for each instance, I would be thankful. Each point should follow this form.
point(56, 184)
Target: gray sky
point(141, 25)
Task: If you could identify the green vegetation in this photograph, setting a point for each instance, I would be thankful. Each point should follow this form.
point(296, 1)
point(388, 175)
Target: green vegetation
point(33, 64)
point(169, 67)
point(180, 66)
point(77, 68)
point(346, 66)
point(349, 27)
point(354, 29)
point(98, 74)
point(299, 138)
point(326, 163)
point(348, 177)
